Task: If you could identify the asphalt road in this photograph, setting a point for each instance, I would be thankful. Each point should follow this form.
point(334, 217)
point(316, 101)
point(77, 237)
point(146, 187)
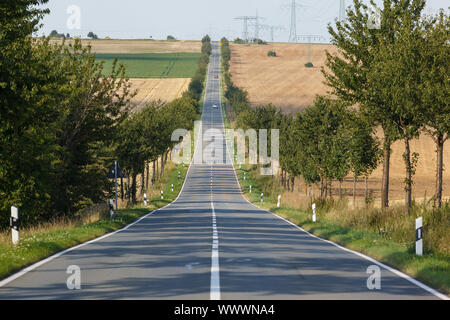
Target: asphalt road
point(210, 244)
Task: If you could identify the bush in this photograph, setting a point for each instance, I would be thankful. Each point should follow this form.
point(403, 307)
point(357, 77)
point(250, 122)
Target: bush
point(309, 65)
point(272, 54)
point(197, 83)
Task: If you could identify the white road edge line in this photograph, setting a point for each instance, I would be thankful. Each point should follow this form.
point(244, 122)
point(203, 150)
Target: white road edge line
point(24, 271)
point(395, 271)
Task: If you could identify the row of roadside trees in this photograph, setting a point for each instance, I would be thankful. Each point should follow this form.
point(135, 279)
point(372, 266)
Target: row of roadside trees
point(63, 121)
point(394, 78)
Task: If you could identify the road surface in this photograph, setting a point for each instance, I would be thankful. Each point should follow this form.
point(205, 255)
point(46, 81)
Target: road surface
point(210, 244)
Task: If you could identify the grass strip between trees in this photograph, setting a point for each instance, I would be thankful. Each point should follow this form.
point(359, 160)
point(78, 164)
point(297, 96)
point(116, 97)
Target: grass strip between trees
point(431, 269)
point(37, 245)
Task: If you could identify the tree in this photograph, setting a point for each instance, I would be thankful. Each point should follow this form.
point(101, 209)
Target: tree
point(22, 78)
point(322, 147)
point(92, 35)
point(171, 38)
point(394, 80)
point(434, 89)
point(363, 149)
point(348, 71)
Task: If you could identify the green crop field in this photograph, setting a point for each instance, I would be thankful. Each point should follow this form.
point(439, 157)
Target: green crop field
point(154, 65)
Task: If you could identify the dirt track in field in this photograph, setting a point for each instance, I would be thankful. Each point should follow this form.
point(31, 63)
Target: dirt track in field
point(289, 85)
point(165, 90)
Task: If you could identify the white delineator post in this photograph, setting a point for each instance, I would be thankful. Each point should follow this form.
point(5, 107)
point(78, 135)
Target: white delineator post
point(419, 236)
point(314, 218)
point(245, 176)
point(262, 197)
point(279, 201)
point(172, 187)
point(145, 199)
point(162, 195)
point(111, 208)
point(14, 222)
point(250, 189)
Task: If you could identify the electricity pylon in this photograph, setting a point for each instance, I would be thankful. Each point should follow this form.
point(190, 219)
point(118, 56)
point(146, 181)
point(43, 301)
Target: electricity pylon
point(309, 40)
point(245, 20)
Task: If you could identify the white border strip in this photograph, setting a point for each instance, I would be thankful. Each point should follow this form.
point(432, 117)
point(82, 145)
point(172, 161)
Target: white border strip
point(24, 271)
point(395, 271)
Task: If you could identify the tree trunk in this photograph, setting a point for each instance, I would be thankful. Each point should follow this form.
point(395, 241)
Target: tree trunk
point(385, 178)
point(287, 182)
point(367, 190)
point(133, 188)
point(321, 188)
point(340, 189)
point(439, 170)
point(128, 188)
point(162, 164)
point(147, 165)
point(408, 180)
point(143, 181)
point(154, 172)
point(331, 188)
point(292, 183)
point(157, 168)
point(354, 191)
point(121, 188)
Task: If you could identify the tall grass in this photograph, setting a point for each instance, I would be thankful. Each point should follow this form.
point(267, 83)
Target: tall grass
point(392, 223)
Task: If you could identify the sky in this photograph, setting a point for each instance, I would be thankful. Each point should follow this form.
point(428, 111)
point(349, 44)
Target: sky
point(192, 19)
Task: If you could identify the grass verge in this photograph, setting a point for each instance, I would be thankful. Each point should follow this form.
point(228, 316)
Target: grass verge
point(41, 242)
point(432, 268)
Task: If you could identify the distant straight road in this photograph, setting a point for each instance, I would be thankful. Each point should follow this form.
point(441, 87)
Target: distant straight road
point(211, 244)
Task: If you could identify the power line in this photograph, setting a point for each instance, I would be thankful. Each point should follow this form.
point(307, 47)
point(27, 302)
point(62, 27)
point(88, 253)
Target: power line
point(272, 30)
point(310, 38)
point(245, 20)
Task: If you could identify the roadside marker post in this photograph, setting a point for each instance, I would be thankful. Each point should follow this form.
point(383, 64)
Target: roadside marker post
point(314, 217)
point(14, 223)
point(179, 175)
point(250, 189)
point(245, 176)
point(111, 208)
point(145, 199)
point(262, 197)
point(162, 195)
point(172, 187)
point(419, 236)
point(279, 201)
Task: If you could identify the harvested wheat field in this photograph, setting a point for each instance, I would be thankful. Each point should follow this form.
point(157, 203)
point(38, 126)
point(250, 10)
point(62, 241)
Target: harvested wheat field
point(289, 85)
point(165, 90)
point(140, 46)
point(283, 80)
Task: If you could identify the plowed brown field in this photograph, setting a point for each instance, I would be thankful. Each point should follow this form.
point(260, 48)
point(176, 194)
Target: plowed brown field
point(285, 82)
